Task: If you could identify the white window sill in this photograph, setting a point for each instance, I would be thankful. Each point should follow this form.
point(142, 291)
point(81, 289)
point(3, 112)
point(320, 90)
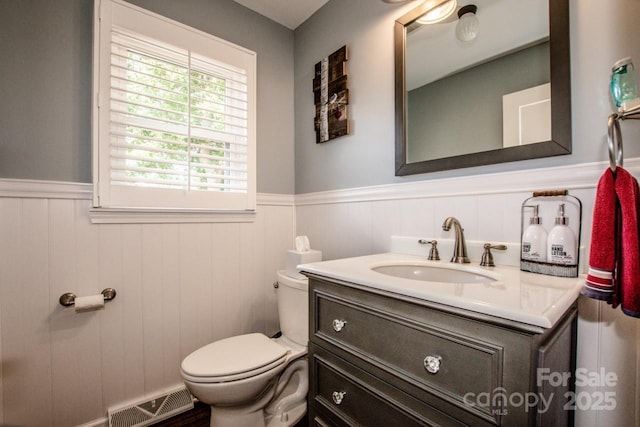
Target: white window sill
point(156, 216)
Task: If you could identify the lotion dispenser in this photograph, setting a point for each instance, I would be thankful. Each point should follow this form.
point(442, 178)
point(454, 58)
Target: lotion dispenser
point(561, 242)
point(534, 239)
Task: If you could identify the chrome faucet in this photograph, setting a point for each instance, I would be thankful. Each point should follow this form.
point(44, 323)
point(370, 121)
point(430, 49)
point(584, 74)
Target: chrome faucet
point(460, 247)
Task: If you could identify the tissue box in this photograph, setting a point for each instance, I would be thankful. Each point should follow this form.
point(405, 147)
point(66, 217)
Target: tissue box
point(295, 258)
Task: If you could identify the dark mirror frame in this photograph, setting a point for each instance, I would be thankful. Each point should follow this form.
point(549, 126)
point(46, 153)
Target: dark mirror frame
point(560, 144)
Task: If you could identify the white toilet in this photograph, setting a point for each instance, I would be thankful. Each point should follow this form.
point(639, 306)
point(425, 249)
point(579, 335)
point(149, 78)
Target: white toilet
point(252, 380)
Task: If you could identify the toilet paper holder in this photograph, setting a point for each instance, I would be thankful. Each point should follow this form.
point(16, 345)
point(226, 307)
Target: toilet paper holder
point(69, 298)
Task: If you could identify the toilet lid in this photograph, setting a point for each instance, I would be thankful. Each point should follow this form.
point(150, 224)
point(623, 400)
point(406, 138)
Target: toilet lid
point(232, 356)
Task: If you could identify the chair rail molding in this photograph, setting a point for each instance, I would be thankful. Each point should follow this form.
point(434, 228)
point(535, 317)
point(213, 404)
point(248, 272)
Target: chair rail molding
point(578, 176)
point(570, 177)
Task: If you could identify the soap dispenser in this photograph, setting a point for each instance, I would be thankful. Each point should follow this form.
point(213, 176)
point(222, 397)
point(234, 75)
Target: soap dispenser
point(561, 242)
point(534, 239)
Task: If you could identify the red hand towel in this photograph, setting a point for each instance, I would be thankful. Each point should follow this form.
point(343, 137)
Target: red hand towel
point(602, 255)
point(628, 292)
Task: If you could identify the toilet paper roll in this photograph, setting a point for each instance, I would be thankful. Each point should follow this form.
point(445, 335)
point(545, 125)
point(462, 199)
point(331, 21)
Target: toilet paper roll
point(89, 303)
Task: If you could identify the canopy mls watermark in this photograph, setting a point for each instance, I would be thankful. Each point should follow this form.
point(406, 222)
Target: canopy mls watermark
point(500, 400)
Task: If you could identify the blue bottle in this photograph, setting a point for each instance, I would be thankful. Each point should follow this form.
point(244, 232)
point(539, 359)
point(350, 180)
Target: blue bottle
point(624, 88)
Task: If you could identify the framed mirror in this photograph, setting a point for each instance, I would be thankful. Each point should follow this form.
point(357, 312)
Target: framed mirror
point(501, 97)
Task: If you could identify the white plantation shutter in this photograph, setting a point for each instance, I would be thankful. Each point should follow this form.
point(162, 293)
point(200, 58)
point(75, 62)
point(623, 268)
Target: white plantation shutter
point(176, 116)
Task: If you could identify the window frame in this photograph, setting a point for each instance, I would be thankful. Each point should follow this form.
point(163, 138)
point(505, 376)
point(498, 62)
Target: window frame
point(155, 203)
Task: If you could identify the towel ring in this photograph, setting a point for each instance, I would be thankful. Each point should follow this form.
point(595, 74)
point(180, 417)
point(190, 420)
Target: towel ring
point(614, 142)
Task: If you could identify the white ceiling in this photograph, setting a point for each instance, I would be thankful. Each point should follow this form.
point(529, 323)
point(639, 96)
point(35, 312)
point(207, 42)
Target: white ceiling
point(289, 13)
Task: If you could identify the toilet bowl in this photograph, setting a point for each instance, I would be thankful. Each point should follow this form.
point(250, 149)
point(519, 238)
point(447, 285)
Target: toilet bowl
point(252, 380)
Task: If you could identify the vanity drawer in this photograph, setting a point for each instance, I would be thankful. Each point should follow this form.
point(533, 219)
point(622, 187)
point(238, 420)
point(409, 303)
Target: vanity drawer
point(348, 396)
point(449, 365)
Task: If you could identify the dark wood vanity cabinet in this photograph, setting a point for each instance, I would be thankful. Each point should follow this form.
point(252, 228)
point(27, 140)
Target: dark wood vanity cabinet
point(379, 359)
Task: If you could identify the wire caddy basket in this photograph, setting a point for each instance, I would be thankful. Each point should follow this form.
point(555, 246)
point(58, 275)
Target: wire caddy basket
point(547, 202)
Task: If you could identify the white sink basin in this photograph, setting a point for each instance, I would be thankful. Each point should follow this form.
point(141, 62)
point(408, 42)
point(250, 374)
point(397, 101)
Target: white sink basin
point(428, 273)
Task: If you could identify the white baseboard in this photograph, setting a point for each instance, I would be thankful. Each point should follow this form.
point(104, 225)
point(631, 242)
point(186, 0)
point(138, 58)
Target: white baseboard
point(100, 422)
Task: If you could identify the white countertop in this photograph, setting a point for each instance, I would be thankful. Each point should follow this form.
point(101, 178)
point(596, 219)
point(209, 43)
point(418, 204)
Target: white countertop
point(516, 295)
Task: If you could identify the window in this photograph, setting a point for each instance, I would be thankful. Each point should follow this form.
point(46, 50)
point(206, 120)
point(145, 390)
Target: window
point(174, 116)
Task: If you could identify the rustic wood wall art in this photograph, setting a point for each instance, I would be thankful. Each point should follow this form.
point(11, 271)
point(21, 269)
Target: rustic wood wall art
point(331, 96)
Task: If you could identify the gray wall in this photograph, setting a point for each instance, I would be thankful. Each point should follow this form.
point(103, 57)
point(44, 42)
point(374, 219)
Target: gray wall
point(469, 114)
point(601, 33)
point(45, 88)
point(45, 85)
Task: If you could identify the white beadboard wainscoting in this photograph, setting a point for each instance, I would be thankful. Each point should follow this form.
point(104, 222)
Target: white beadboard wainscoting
point(361, 221)
point(183, 285)
point(179, 286)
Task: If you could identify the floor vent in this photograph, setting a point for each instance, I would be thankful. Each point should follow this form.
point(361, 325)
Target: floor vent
point(151, 410)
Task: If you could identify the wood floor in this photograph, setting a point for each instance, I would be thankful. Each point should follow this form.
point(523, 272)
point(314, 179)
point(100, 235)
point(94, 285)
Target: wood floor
point(199, 417)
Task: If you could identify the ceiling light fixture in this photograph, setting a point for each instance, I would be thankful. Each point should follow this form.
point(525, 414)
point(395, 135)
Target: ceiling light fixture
point(468, 24)
point(439, 13)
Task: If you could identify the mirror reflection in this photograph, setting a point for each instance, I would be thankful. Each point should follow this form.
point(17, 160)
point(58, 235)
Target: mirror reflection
point(481, 92)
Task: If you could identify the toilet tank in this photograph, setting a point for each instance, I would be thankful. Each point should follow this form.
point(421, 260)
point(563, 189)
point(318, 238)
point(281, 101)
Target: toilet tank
point(293, 308)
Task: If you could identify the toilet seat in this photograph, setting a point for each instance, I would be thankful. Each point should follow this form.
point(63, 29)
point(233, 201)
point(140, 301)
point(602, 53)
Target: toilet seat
point(234, 358)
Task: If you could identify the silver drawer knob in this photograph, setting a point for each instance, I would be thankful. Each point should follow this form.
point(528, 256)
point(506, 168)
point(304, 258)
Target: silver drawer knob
point(432, 363)
point(338, 324)
point(337, 396)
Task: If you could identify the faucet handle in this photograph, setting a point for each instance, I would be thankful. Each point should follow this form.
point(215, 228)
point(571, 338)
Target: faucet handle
point(434, 255)
point(487, 256)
